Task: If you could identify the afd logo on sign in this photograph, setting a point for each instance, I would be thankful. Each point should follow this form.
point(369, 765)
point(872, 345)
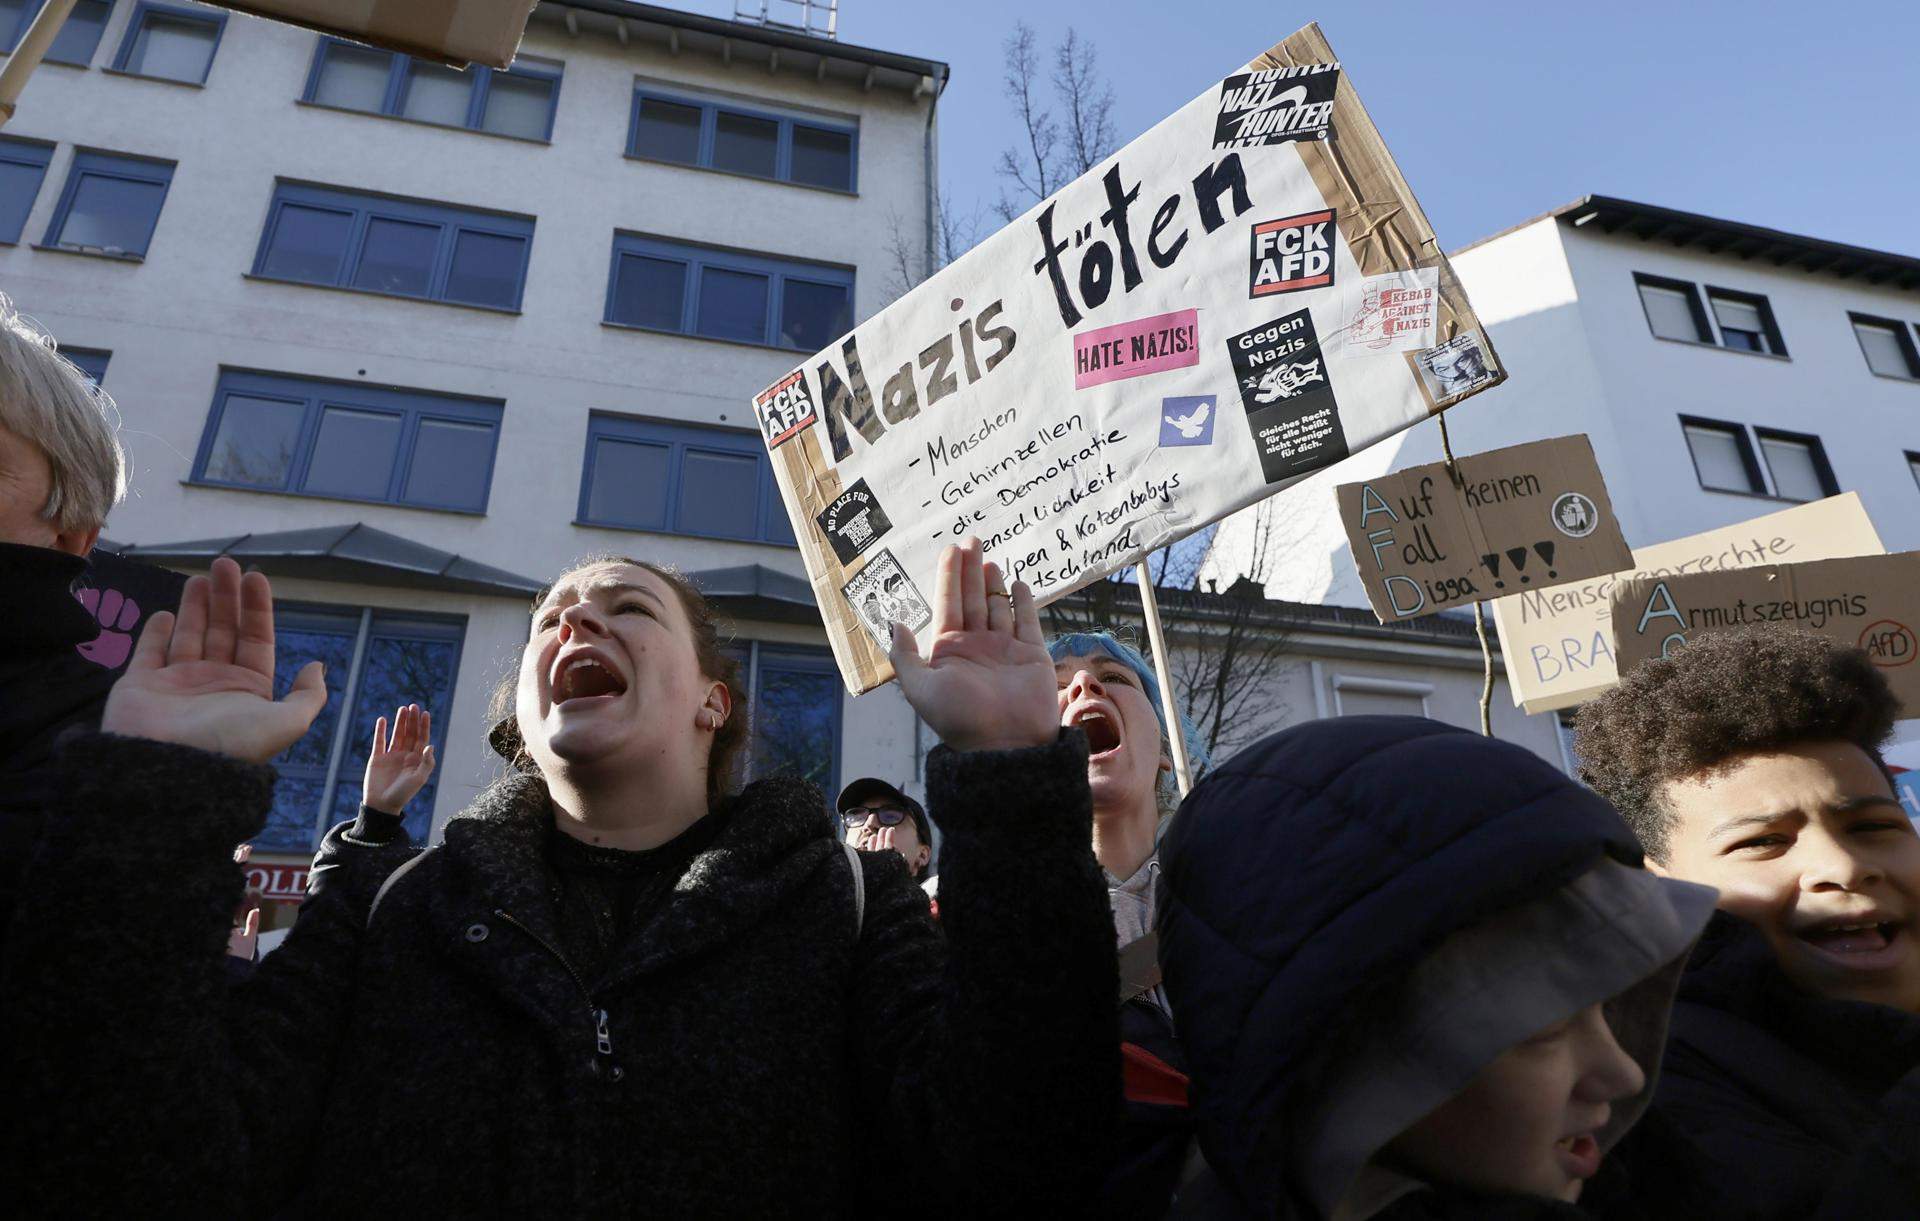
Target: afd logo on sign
point(1290, 254)
point(1186, 421)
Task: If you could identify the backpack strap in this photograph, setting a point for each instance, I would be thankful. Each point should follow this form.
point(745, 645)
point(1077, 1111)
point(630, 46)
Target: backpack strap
point(393, 877)
point(859, 889)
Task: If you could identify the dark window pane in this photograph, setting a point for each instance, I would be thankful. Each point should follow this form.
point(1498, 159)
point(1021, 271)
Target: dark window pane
point(486, 269)
point(649, 292)
point(733, 305)
point(437, 94)
point(744, 144)
point(178, 48)
point(775, 526)
point(13, 22)
point(18, 185)
point(667, 130)
point(354, 77)
point(88, 361)
point(256, 441)
point(794, 712)
point(518, 106)
point(451, 460)
point(353, 455)
point(719, 494)
point(400, 669)
point(823, 158)
point(75, 42)
point(813, 315)
point(302, 638)
point(629, 484)
point(114, 214)
point(397, 257)
point(308, 244)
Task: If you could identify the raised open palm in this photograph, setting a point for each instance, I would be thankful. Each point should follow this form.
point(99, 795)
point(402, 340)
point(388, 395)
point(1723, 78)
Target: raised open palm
point(986, 682)
point(399, 764)
point(204, 678)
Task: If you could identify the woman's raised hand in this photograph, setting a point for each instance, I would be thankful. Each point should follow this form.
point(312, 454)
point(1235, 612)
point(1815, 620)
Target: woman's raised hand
point(399, 764)
point(204, 678)
point(987, 681)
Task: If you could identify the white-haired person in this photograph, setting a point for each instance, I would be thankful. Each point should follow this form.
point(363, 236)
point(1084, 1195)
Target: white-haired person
point(61, 471)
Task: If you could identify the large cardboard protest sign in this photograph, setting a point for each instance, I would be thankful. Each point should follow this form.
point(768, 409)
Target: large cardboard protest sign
point(1558, 643)
point(1527, 516)
point(453, 31)
point(1245, 294)
point(1870, 602)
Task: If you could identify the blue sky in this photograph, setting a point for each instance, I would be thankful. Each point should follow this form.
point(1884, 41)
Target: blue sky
point(1800, 117)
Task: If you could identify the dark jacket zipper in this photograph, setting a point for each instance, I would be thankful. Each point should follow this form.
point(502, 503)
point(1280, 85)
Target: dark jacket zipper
point(602, 1036)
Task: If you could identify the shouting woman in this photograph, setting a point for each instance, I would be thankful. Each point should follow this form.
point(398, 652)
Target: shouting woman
point(615, 989)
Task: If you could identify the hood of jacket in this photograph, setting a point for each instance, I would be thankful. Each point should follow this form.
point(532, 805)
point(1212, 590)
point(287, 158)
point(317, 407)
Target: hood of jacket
point(1333, 860)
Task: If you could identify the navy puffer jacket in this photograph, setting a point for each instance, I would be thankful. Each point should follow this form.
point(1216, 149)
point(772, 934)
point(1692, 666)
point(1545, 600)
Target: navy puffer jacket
point(1398, 832)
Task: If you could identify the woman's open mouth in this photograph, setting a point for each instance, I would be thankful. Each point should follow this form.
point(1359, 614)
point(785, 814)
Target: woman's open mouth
point(586, 678)
point(1103, 732)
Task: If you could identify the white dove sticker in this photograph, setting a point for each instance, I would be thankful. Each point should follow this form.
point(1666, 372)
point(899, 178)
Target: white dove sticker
point(1186, 421)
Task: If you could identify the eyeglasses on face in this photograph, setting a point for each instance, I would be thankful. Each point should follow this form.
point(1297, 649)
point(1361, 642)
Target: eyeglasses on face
point(886, 816)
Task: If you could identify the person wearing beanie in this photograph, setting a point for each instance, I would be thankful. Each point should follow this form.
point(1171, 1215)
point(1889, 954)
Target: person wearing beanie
point(1418, 972)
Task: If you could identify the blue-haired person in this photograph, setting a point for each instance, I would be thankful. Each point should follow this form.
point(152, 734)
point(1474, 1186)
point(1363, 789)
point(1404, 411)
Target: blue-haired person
point(1110, 692)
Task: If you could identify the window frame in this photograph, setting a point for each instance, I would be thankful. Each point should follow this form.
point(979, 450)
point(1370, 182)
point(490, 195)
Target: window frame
point(35, 154)
point(1769, 326)
point(1702, 326)
point(100, 357)
point(1749, 458)
point(761, 655)
point(365, 622)
point(400, 68)
point(32, 10)
point(364, 207)
point(1903, 333)
point(680, 437)
point(710, 108)
point(315, 395)
point(124, 166)
point(697, 258)
point(217, 18)
point(1913, 467)
point(1822, 468)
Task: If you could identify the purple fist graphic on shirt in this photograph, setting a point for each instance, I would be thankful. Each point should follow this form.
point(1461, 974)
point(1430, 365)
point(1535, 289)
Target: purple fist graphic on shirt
point(117, 614)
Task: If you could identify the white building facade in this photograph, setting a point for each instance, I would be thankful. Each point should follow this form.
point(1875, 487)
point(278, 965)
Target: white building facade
point(1723, 371)
point(409, 339)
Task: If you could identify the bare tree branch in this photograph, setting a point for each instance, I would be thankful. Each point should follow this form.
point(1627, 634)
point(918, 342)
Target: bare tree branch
point(1032, 169)
point(1087, 101)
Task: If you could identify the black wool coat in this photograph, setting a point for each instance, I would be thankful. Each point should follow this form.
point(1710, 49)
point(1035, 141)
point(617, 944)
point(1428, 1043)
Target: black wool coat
point(751, 1054)
point(1792, 1105)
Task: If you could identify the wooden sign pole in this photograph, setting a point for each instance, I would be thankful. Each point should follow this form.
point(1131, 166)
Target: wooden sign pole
point(1176, 735)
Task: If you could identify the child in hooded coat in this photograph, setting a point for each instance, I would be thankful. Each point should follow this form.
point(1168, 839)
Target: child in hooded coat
point(1420, 973)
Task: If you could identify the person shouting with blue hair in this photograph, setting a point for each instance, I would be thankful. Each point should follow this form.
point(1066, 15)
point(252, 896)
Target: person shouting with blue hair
point(1110, 692)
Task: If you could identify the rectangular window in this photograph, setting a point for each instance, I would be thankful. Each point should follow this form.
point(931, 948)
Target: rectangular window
point(23, 165)
point(170, 42)
point(376, 661)
point(1673, 309)
point(343, 439)
point(398, 247)
point(90, 361)
point(795, 701)
point(727, 294)
point(1887, 345)
point(1797, 465)
point(740, 139)
point(519, 102)
point(110, 204)
point(1746, 322)
point(1723, 457)
point(77, 39)
point(1913, 466)
point(680, 479)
